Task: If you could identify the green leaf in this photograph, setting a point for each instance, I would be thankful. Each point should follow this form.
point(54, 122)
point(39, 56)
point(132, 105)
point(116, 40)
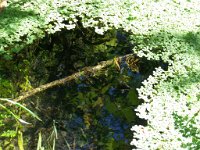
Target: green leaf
point(21, 106)
point(111, 107)
point(39, 144)
point(109, 144)
point(98, 102)
point(132, 97)
point(129, 114)
point(20, 140)
point(112, 42)
point(80, 96)
point(105, 89)
point(9, 133)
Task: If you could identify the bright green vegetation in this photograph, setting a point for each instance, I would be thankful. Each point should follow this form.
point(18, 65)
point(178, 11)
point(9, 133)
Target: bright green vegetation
point(42, 41)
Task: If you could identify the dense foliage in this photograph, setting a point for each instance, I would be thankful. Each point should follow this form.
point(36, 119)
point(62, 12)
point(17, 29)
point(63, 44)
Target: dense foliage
point(171, 97)
point(164, 31)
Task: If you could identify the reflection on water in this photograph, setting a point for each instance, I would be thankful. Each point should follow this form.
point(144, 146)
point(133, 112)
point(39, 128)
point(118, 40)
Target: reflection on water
point(97, 112)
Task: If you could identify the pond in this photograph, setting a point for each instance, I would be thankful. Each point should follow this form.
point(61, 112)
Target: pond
point(94, 111)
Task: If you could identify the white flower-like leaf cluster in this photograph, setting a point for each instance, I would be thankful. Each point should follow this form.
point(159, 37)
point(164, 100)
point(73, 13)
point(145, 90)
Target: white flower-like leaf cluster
point(169, 31)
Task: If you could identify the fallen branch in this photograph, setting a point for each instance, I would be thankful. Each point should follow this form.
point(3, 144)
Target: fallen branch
point(84, 71)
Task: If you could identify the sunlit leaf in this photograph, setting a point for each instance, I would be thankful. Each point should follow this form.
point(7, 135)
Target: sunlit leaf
point(20, 105)
point(109, 144)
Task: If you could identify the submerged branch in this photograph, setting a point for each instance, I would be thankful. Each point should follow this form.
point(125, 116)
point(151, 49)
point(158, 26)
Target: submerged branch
point(85, 71)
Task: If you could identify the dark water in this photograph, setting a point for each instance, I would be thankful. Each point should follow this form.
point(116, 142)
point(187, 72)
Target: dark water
point(94, 112)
